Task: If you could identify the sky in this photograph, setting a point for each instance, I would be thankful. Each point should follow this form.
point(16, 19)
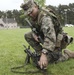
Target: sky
point(15, 4)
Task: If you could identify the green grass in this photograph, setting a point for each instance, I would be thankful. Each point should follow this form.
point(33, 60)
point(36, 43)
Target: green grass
point(12, 53)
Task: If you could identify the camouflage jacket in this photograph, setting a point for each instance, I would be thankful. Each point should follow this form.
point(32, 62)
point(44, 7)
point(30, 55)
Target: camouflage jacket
point(45, 26)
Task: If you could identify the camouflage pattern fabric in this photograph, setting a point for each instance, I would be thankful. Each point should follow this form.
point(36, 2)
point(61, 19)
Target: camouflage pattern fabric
point(36, 45)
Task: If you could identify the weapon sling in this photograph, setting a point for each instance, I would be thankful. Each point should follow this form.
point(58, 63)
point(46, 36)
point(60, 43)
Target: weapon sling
point(23, 72)
point(27, 61)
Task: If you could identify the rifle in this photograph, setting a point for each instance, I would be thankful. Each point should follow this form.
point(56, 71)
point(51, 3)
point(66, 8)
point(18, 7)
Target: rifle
point(35, 58)
point(34, 30)
point(33, 55)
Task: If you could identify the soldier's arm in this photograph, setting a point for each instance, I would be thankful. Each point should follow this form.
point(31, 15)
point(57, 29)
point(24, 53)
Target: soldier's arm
point(49, 34)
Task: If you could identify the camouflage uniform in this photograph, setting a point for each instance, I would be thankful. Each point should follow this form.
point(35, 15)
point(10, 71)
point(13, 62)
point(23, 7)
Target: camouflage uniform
point(46, 28)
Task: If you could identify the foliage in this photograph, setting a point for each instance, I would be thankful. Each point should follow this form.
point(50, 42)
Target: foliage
point(67, 12)
point(64, 12)
point(39, 2)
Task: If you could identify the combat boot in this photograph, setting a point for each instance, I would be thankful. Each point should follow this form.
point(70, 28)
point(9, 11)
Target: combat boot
point(69, 53)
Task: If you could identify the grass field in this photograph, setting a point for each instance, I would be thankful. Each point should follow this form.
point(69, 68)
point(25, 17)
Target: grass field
point(12, 53)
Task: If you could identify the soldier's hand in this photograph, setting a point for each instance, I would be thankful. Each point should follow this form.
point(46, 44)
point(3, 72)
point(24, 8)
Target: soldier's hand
point(43, 62)
point(35, 37)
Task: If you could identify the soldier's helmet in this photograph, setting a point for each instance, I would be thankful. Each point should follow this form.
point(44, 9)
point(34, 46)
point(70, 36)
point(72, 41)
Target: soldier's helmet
point(27, 6)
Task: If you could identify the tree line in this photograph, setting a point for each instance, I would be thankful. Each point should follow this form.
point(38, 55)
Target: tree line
point(65, 14)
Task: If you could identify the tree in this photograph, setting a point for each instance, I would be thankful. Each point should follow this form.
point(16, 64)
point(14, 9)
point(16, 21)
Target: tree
point(9, 14)
point(39, 2)
point(0, 14)
point(64, 12)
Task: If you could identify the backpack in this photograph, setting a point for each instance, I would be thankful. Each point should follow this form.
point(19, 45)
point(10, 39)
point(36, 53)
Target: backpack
point(63, 39)
point(57, 24)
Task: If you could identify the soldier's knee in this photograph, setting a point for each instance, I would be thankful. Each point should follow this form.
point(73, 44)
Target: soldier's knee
point(25, 36)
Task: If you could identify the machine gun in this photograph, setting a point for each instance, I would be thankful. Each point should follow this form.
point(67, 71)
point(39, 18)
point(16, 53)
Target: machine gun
point(33, 56)
point(34, 30)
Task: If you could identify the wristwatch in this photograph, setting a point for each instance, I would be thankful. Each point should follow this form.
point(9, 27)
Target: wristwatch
point(44, 51)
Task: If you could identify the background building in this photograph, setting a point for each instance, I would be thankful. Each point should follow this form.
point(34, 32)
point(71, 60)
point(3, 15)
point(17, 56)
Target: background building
point(8, 23)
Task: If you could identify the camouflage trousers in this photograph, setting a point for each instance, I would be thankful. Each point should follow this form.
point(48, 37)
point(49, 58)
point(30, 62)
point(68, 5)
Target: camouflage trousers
point(37, 46)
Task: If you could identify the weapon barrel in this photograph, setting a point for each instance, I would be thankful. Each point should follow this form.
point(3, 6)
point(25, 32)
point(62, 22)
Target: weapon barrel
point(28, 51)
point(28, 22)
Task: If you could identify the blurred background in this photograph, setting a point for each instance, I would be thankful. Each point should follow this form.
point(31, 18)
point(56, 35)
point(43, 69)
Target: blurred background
point(12, 16)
